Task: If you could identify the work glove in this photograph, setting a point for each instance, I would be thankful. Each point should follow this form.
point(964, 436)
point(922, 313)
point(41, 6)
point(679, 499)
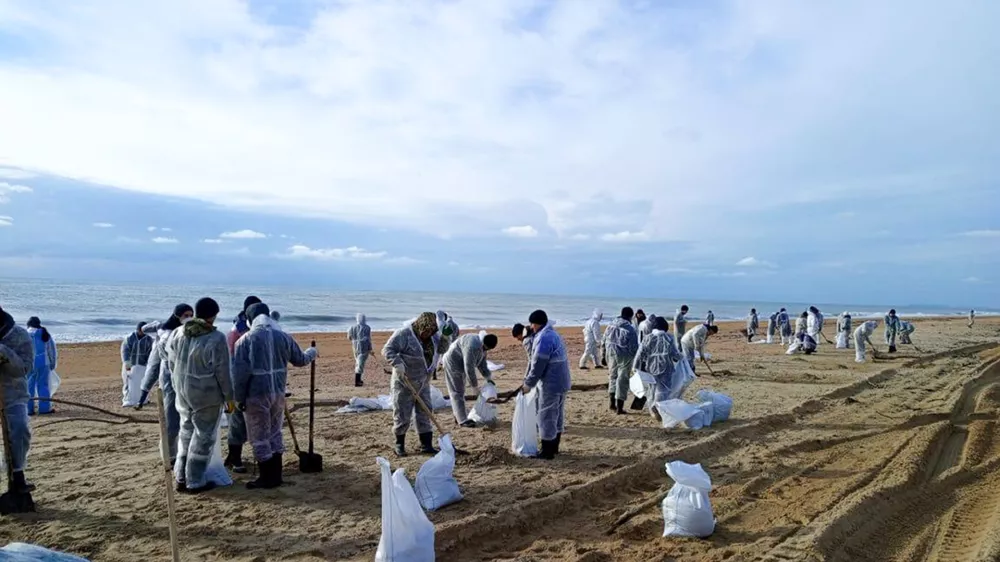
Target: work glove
point(142, 400)
point(312, 352)
point(128, 366)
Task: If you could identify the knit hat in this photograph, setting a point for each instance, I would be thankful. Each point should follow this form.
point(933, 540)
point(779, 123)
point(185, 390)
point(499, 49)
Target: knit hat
point(139, 326)
point(249, 301)
point(206, 308)
point(538, 317)
point(256, 310)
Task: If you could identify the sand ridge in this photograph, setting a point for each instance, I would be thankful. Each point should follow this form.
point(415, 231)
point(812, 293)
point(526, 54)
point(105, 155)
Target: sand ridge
point(823, 459)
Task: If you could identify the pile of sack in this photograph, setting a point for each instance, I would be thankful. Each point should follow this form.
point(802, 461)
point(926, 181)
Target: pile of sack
point(712, 407)
point(384, 402)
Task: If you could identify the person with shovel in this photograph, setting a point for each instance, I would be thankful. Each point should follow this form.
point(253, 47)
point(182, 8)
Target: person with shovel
point(17, 357)
point(694, 341)
point(260, 377)
point(862, 336)
point(549, 367)
point(412, 352)
point(814, 324)
point(237, 421)
point(891, 329)
point(360, 335)
point(461, 361)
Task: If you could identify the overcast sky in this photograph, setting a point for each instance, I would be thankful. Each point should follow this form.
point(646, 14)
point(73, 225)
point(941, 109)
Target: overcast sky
point(842, 150)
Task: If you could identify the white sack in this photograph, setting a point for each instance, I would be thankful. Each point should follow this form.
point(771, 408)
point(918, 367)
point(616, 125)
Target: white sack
point(703, 418)
point(489, 391)
point(216, 471)
point(524, 426)
point(54, 382)
point(407, 534)
point(438, 401)
point(133, 385)
point(436, 486)
point(682, 378)
point(723, 404)
point(638, 382)
point(686, 509)
point(842, 340)
point(674, 412)
point(483, 412)
point(494, 366)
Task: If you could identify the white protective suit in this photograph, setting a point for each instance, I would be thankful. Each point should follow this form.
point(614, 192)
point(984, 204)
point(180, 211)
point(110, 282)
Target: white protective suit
point(592, 340)
point(694, 340)
point(862, 336)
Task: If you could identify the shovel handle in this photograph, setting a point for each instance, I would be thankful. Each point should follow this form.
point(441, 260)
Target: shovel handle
point(312, 398)
point(291, 429)
point(423, 406)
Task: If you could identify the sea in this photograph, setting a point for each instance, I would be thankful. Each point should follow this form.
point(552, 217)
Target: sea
point(89, 312)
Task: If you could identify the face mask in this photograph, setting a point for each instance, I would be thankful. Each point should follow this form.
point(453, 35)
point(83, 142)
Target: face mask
point(185, 320)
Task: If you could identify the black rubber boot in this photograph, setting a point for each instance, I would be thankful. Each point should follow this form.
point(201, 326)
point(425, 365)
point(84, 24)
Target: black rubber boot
point(558, 440)
point(611, 402)
point(20, 484)
point(468, 423)
point(427, 443)
point(548, 451)
point(584, 368)
point(357, 380)
point(279, 466)
point(270, 475)
point(201, 489)
point(620, 407)
point(401, 445)
point(234, 460)
point(181, 487)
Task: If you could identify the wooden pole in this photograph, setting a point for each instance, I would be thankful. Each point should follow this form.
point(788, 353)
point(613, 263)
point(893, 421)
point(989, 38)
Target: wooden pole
point(168, 478)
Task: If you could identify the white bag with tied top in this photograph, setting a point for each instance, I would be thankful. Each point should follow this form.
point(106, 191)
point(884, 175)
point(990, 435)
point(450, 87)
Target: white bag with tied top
point(686, 509)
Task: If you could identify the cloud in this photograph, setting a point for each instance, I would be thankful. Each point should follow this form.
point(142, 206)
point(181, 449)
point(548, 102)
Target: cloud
point(972, 280)
point(751, 261)
point(212, 241)
point(164, 240)
point(6, 221)
point(351, 253)
point(527, 231)
point(168, 229)
point(580, 237)
point(150, 229)
point(403, 260)
point(982, 233)
point(103, 225)
point(14, 174)
point(243, 235)
point(6, 189)
point(625, 236)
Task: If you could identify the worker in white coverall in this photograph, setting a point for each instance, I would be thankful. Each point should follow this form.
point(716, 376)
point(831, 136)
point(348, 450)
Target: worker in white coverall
point(784, 327)
point(592, 341)
point(891, 329)
point(972, 318)
point(680, 323)
point(466, 356)
point(621, 342)
point(694, 340)
point(412, 352)
point(862, 336)
point(814, 324)
point(360, 335)
point(844, 330)
point(753, 324)
point(905, 329)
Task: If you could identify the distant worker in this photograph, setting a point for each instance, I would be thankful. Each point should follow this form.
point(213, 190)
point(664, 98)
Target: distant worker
point(844, 330)
point(466, 356)
point(657, 355)
point(753, 324)
point(800, 325)
point(238, 435)
point(680, 323)
point(622, 343)
point(360, 336)
point(803, 343)
point(135, 351)
point(694, 341)
point(591, 340)
point(447, 333)
point(524, 335)
point(814, 324)
point(862, 336)
point(45, 362)
point(548, 367)
point(275, 320)
point(639, 318)
point(784, 327)
point(891, 330)
point(972, 318)
point(772, 327)
point(646, 327)
point(709, 320)
point(905, 329)
point(411, 352)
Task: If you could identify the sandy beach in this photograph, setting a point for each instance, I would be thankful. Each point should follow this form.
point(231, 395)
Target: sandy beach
point(823, 459)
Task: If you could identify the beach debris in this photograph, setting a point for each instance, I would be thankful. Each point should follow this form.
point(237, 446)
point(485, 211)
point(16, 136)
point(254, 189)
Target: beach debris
point(407, 534)
point(435, 485)
point(687, 511)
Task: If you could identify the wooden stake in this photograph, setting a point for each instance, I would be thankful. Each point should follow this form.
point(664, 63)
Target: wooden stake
point(168, 477)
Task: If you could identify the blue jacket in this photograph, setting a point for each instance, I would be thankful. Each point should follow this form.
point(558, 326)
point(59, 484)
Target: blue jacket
point(549, 363)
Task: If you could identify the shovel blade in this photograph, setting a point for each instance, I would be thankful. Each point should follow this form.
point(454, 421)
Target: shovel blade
point(310, 463)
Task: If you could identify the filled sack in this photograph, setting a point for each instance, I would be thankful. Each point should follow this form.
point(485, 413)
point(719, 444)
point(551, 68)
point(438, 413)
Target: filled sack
point(407, 534)
point(687, 511)
point(438, 401)
point(703, 418)
point(524, 426)
point(639, 382)
point(216, 471)
point(723, 405)
point(674, 412)
point(483, 412)
point(842, 340)
point(436, 486)
point(682, 378)
point(133, 385)
point(55, 381)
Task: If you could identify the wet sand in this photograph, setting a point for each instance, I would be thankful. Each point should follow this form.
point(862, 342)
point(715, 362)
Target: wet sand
point(824, 459)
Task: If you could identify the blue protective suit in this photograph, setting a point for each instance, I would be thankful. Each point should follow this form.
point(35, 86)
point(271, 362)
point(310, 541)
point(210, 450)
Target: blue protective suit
point(43, 362)
point(549, 366)
point(198, 358)
point(260, 376)
point(17, 356)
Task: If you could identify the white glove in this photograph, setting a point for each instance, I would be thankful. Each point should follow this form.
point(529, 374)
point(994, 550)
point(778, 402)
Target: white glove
point(312, 352)
point(128, 366)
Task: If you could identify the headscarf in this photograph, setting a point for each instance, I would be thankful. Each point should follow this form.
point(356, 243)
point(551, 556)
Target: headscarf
point(426, 323)
point(174, 321)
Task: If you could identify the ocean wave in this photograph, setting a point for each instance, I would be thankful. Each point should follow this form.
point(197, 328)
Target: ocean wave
point(317, 318)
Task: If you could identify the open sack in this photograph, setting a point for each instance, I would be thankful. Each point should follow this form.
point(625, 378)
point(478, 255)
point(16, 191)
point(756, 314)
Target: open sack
point(407, 534)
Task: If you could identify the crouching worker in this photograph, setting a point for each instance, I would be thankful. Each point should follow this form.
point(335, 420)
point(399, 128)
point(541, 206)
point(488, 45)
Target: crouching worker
point(657, 355)
point(863, 336)
point(198, 359)
point(549, 366)
point(17, 357)
point(905, 329)
point(411, 350)
point(461, 361)
point(694, 341)
point(260, 376)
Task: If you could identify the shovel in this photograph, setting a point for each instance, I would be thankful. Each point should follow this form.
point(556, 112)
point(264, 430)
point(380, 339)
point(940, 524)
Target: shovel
point(309, 462)
point(427, 410)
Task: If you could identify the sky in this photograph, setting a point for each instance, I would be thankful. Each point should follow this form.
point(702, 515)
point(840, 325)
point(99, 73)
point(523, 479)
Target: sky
point(827, 151)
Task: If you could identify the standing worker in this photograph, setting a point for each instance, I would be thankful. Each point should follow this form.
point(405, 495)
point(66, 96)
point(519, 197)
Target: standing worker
point(680, 323)
point(136, 349)
point(461, 361)
point(646, 327)
point(549, 366)
point(17, 357)
point(972, 318)
point(772, 327)
point(800, 325)
point(260, 377)
point(844, 330)
point(44, 362)
point(237, 436)
point(360, 335)
point(199, 362)
point(412, 353)
point(753, 324)
point(862, 336)
point(657, 355)
point(709, 321)
point(524, 336)
point(891, 329)
point(622, 343)
point(591, 340)
point(785, 326)
point(159, 371)
point(694, 341)
point(814, 323)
